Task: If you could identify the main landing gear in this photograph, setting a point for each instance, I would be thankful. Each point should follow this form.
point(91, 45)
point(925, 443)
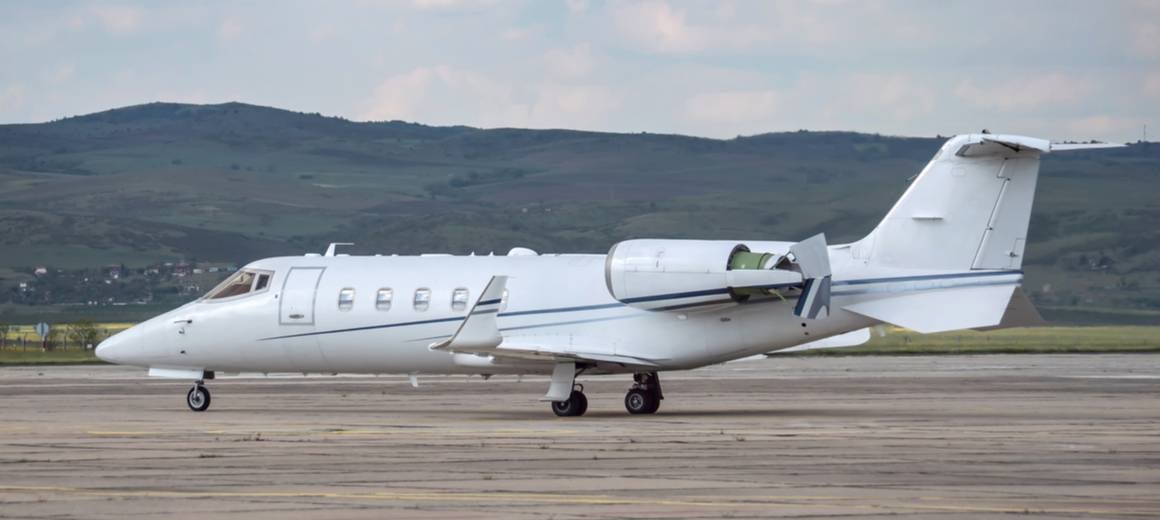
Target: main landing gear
point(643, 398)
point(645, 395)
point(198, 397)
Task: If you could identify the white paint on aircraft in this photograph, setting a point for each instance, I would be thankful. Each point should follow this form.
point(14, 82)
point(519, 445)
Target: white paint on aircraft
point(946, 256)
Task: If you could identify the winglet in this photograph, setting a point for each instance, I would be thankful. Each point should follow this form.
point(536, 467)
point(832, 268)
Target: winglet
point(479, 330)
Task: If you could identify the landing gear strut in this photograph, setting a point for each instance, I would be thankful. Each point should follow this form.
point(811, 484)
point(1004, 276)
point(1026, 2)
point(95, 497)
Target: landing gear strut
point(198, 397)
point(574, 406)
point(645, 395)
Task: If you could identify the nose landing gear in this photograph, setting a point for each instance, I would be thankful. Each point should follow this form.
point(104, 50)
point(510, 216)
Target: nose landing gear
point(574, 406)
point(198, 397)
point(645, 395)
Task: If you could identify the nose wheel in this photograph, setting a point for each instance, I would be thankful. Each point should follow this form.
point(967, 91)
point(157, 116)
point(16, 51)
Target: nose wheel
point(574, 406)
point(198, 397)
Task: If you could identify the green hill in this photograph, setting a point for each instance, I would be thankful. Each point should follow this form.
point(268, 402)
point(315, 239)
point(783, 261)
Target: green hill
point(234, 182)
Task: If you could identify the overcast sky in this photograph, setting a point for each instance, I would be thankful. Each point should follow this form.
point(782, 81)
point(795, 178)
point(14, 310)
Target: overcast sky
point(1057, 69)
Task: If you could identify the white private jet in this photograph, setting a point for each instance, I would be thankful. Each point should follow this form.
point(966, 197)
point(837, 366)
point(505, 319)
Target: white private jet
point(947, 256)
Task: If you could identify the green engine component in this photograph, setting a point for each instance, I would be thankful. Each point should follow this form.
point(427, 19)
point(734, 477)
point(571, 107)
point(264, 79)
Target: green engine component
point(747, 260)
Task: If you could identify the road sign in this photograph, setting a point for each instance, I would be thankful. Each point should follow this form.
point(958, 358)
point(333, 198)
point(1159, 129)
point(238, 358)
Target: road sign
point(42, 330)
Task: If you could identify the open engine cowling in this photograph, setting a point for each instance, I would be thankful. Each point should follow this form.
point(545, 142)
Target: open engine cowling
point(682, 274)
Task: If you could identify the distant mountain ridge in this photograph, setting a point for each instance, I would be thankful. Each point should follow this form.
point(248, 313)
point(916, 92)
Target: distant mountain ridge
point(233, 182)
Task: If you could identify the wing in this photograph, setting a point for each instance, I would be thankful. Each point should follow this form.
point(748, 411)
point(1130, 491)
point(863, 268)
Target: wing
point(479, 334)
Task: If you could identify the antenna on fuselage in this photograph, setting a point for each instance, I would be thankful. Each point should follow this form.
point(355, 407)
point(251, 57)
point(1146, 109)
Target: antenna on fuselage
point(334, 245)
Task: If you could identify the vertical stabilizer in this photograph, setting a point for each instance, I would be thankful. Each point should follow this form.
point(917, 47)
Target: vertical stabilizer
point(968, 209)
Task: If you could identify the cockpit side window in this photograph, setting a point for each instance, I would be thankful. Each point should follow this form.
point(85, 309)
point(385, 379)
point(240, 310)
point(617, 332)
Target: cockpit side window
point(243, 282)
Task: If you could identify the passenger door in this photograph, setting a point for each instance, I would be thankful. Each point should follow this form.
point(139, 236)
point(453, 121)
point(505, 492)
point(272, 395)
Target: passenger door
point(298, 295)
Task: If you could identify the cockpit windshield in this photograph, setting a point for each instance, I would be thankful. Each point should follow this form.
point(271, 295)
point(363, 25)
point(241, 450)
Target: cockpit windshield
point(242, 282)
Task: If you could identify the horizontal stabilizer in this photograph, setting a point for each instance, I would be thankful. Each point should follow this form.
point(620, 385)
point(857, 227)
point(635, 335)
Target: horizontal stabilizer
point(479, 330)
point(1020, 313)
point(982, 145)
point(941, 310)
point(1067, 147)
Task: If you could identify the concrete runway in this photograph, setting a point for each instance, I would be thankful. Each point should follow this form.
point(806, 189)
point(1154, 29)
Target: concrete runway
point(938, 437)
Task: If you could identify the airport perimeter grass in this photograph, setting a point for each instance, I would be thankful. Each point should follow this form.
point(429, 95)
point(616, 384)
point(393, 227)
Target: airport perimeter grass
point(895, 342)
point(17, 357)
point(1036, 340)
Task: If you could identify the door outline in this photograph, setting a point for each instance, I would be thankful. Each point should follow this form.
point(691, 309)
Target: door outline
point(313, 296)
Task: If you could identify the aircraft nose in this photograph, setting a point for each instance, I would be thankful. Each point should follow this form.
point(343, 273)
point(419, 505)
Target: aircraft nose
point(120, 347)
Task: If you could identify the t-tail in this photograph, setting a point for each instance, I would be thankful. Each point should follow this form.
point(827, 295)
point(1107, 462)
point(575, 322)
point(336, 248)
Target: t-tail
point(963, 222)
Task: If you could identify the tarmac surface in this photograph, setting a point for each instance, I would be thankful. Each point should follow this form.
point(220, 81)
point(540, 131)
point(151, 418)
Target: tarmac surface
point(923, 437)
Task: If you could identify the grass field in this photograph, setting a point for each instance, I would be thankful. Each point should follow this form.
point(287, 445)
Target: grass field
point(1036, 340)
point(17, 357)
point(1040, 340)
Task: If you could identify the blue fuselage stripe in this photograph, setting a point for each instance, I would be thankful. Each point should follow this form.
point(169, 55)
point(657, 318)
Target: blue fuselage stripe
point(672, 296)
point(922, 277)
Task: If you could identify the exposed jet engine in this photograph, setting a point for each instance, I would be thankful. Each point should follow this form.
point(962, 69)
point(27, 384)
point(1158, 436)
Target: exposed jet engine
point(665, 275)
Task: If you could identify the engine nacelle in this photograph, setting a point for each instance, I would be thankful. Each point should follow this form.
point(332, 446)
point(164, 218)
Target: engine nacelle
point(682, 274)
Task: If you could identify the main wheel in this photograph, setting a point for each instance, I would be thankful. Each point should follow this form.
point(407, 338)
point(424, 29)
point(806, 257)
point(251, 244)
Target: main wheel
point(197, 398)
point(574, 406)
point(641, 402)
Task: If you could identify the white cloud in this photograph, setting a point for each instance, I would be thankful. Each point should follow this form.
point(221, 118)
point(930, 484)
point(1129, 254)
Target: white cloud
point(229, 29)
point(426, 93)
point(897, 96)
point(1029, 92)
point(1102, 126)
point(11, 98)
point(117, 18)
point(1146, 39)
point(657, 26)
point(453, 5)
point(448, 95)
point(321, 33)
point(573, 106)
point(570, 63)
point(733, 107)
point(1152, 85)
point(514, 34)
point(577, 6)
point(62, 73)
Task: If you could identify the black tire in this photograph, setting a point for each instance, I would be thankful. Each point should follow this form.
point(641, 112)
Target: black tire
point(581, 403)
point(574, 406)
point(198, 398)
point(639, 402)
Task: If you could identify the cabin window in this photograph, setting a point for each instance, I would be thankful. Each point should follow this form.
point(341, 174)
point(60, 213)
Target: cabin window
point(383, 299)
point(345, 299)
point(422, 299)
point(459, 299)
